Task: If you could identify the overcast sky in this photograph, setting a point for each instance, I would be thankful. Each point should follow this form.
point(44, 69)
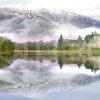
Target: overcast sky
point(51, 3)
point(85, 7)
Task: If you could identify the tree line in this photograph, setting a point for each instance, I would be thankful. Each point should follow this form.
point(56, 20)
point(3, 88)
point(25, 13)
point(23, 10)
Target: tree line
point(78, 43)
point(62, 44)
point(6, 44)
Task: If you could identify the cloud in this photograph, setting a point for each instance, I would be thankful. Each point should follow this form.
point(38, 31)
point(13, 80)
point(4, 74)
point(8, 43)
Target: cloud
point(72, 32)
point(25, 4)
point(66, 4)
point(22, 29)
point(9, 2)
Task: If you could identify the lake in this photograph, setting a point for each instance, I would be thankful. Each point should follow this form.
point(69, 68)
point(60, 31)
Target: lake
point(31, 75)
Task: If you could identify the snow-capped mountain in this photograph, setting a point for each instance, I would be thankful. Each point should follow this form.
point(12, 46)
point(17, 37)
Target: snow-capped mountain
point(48, 17)
point(72, 18)
point(23, 20)
point(40, 23)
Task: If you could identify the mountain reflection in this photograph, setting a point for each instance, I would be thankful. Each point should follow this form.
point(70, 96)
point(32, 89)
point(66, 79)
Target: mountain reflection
point(37, 73)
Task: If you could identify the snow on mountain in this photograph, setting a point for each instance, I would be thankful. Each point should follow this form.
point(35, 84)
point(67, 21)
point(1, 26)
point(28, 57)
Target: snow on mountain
point(39, 24)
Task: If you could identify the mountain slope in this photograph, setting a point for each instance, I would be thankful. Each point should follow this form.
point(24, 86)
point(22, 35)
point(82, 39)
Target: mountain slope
point(40, 24)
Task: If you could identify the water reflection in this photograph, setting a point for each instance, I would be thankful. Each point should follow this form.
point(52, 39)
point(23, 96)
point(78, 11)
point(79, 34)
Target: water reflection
point(5, 59)
point(28, 74)
point(92, 63)
point(89, 63)
point(60, 60)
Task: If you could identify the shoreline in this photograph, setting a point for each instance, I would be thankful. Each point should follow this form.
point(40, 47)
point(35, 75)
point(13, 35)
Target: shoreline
point(70, 52)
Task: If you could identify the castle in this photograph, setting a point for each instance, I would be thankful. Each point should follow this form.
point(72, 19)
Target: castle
point(96, 42)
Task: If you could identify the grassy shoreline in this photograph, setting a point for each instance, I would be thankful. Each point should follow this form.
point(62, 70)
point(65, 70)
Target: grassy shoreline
point(93, 51)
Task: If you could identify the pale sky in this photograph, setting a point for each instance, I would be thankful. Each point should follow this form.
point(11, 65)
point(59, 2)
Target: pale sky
point(67, 4)
point(85, 7)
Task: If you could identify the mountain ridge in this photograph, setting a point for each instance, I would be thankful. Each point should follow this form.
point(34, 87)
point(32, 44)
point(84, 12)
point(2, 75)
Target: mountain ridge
point(62, 17)
point(38, 24)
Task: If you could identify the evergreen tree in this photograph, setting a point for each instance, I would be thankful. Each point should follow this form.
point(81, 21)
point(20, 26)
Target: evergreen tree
point(88, 38)
point(80, 40)
point(60, 43)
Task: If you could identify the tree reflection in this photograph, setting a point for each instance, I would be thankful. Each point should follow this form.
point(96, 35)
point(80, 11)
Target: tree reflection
point(79, 64)
point(5, 60)
point(88, 64)
point(91, 65)
point(64, 59)
point(60, 60)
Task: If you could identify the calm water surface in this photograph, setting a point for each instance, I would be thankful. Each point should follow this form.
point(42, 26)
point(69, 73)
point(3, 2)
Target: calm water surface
point(28, 74)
